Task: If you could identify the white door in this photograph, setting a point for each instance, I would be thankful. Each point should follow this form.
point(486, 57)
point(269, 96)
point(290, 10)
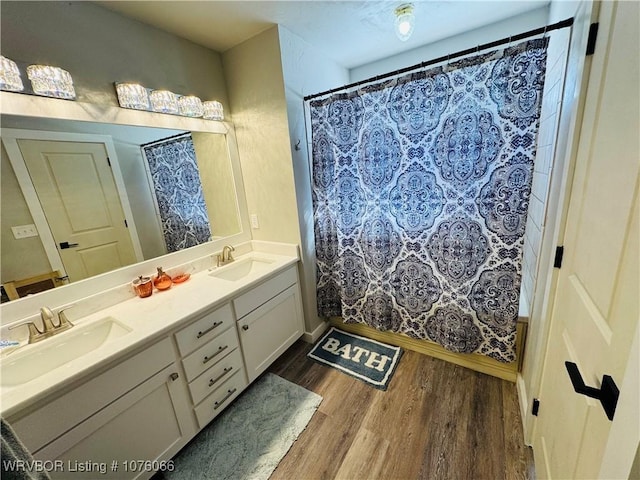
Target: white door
point(78, 194)
point(596, 314)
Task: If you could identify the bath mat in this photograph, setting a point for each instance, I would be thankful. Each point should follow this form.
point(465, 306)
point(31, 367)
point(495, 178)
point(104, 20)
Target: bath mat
point(248, 440)
point(365, 359)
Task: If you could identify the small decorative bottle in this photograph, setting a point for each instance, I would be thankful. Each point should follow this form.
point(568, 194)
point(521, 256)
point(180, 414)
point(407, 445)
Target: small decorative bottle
point(143, 286)
point(162, 280)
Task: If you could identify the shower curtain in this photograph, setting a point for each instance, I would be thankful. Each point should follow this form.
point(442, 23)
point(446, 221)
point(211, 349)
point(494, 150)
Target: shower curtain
point(176, 183)
point(420, 191)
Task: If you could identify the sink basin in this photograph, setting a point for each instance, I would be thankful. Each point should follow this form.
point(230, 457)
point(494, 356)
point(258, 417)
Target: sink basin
point(240, 269)
point(39, 358)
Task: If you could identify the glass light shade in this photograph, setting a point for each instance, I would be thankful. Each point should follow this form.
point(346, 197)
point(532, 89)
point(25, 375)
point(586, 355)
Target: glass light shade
point(404, 22)
point(190, 106)
point(132, 95)
point(51, 82)
point(10, 76)
point(164, 101)
point(213, 110)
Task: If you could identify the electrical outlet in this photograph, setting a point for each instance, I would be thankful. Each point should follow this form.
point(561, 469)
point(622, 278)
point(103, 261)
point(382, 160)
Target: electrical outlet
point(254, 221)
point(24, 231)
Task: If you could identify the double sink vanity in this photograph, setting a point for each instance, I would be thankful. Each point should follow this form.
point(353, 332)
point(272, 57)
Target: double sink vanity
point(137, 380)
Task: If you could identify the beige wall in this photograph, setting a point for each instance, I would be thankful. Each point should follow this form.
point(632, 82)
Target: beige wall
point(99, 47)
point(25, 257)
point(212, 155)
point(306, 71)
point(470, 39)
point(253, 73)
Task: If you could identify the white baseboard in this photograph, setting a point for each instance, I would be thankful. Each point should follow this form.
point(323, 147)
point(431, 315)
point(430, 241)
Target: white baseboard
point(315, 335)
point(524, 406)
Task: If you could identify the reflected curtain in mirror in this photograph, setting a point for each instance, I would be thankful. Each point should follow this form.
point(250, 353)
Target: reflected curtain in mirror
point(173, 170)
point(421, 187)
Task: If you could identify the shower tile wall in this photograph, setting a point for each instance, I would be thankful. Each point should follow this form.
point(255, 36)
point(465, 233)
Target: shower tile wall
point(547, 134)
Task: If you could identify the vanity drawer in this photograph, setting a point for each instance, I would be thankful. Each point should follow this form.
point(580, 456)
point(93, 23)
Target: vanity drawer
point(218, 400)
point(210, 380)
point(209, 354)
point(204, 329)
point(265, 292)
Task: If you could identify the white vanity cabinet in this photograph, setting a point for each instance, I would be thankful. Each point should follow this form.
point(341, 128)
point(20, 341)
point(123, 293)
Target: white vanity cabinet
point(130, 415)
point(212, 363)
point(138, 410)
point(270, 320)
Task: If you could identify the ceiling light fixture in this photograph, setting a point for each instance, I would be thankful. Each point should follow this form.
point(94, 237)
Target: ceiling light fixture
point(404, 21)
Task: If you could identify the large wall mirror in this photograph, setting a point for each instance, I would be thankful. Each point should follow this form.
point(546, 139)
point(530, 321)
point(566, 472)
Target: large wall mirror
point(107, 195)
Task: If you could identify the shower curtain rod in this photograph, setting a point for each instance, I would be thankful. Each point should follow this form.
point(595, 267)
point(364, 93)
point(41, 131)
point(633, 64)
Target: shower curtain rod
point(162, 140)
point(542, 30)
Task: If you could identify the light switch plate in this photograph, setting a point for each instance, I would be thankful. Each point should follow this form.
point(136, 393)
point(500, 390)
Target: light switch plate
point(254, 221)
point(24, 231)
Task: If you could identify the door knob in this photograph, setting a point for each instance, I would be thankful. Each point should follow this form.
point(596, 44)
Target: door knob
point(608, 392)
point(245, 327)
point(64, 245)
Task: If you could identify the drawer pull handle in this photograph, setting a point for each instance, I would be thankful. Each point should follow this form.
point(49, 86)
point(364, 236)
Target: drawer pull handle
point(203, 333)
point(245, 327)
point(220, 402)
point(224, 372)
point(220, 350)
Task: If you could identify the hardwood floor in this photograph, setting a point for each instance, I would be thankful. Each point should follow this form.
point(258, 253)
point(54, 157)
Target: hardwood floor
point(435, 421)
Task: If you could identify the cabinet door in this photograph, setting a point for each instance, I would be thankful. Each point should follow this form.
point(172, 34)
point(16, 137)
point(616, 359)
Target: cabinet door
point(150, 423)
point(269, 330)
point(58, 415)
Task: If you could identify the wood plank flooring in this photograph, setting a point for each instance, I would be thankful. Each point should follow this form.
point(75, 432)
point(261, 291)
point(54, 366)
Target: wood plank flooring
point(435, 421)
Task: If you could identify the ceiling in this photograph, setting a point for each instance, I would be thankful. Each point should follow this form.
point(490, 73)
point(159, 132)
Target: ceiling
point(352, 33)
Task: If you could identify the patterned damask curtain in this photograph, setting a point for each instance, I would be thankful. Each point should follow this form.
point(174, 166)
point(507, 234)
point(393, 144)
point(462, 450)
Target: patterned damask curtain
point(176, 183)
point(420, 191)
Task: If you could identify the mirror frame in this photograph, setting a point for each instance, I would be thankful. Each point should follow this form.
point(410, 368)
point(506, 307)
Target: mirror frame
point(42, 107)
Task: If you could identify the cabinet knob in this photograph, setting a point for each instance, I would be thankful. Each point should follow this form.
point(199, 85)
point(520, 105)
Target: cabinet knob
point(174, 376)
point(245, 327)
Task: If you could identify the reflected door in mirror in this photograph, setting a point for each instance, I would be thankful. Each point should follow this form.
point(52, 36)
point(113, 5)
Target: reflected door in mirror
point(77, 191)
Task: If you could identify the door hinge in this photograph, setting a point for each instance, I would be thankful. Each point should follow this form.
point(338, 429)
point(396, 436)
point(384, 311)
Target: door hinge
point(557, 261)
point(125, 223)
point(591, 41)
point(535, 407)
point(109, 161)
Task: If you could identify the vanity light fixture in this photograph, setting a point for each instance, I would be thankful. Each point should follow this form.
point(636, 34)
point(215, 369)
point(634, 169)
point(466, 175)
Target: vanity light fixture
point(404, 21)
point(190, 106)
point(132, 95)
point(213, 110)
point(164, 101)
point(10, 79)
point(138, 97)
point(51, 81)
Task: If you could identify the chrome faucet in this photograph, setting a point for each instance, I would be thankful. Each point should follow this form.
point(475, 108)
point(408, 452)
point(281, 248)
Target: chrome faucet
point(225, 257)
point(48, 327)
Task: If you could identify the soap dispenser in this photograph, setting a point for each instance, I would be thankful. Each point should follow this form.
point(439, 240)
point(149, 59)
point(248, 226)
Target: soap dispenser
point(162, 280)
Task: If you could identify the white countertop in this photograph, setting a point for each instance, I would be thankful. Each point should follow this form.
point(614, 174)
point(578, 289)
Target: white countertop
point(148, 318)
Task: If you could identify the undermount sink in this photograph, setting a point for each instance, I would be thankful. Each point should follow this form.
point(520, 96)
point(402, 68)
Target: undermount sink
point(240, 269)
point(36, 359)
